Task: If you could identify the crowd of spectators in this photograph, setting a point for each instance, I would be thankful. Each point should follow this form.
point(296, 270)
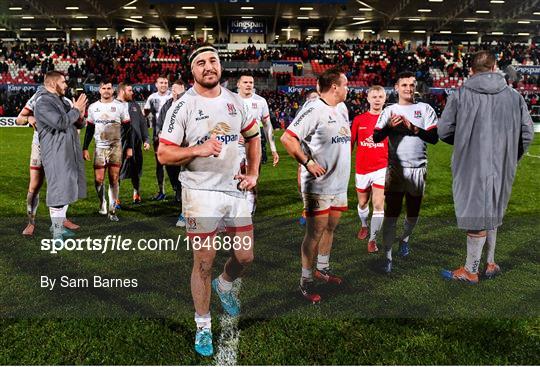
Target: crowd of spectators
point(375, 61)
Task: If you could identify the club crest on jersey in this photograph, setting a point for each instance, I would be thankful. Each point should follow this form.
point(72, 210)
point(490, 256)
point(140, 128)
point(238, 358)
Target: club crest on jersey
point(223, 133)
point(417, 114)
point(254, 105)
point(113, 109)
point(344, 136)
point(231, 109)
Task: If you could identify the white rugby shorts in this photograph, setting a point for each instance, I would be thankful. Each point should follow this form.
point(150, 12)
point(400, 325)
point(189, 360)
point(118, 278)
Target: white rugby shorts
point(320, 204)
point(35, 157)
point(108, 157)
point(365, 182)
point(206, 212)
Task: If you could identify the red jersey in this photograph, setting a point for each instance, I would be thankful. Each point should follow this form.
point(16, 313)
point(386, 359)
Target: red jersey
point(370, 156)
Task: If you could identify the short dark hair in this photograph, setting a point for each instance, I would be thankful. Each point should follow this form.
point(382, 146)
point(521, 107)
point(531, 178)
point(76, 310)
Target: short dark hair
point(482, 61)
point(329, 77)
point(105, 81)
point(245, 73)
point(180, 82)
point(52, 75)
point(405, 75)
point(162, 76)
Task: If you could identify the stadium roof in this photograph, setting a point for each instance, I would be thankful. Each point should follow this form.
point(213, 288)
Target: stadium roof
point(507, 17)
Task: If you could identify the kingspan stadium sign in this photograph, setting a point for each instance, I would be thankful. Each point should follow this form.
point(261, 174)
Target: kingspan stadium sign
point(247, 26)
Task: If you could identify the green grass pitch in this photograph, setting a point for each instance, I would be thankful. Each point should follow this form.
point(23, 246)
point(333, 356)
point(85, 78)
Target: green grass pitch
point(409, 317)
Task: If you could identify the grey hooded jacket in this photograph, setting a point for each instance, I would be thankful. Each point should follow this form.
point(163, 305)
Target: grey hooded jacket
point(61, 155)
point(490, 127)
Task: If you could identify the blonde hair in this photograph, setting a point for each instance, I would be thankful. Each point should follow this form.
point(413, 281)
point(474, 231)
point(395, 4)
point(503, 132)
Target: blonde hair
point(376, 88)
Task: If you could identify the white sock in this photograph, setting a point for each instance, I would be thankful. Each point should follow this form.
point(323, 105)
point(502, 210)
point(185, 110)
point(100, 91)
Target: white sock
point(408, 226)
point(363, 214)
point(376, 224)
point(389, 233)
point(204, 321)
point(491, 241)
point(224, 285)
point(474, 253)
point(307, 276)
point(323, 261)
point(135, 192)
point(58, 216)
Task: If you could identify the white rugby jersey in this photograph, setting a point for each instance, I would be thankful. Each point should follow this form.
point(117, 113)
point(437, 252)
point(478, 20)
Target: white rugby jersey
point(325, 135)
point(31, 104)
point(258, 109)
point(407, 150)
point(154, 103)
point(108, 119)
point(191, 120)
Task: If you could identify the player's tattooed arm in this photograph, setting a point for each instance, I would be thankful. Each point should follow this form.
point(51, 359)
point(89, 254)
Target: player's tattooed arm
point(292, 145)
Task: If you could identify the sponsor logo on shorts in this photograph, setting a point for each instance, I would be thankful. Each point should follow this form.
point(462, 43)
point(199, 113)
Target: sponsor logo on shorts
point(223, 133)
point(344, 136)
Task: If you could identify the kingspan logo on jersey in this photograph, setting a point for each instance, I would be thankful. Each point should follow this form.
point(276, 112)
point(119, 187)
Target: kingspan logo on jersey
point(369, 143)
point(344, 136)
point(105, 119)
point(222, 131)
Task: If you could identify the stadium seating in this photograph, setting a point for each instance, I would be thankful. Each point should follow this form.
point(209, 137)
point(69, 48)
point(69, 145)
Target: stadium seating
point(364, 62)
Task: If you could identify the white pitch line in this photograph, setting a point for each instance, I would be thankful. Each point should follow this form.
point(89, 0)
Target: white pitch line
point(227, 351)
point(530, 155)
